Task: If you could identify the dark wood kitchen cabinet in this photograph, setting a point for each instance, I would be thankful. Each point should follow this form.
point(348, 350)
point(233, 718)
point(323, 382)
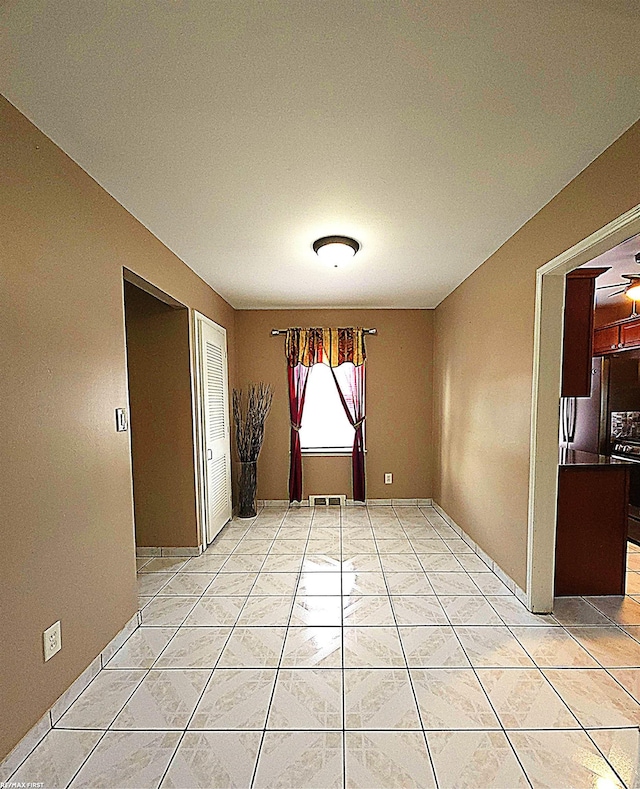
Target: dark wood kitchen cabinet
point(616, 337)
point(591, 532)
point(606, 340)
point(630, 334)
point(577, 344)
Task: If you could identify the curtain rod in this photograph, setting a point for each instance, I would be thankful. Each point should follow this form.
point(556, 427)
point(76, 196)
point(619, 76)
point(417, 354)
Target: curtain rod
point(276, 332)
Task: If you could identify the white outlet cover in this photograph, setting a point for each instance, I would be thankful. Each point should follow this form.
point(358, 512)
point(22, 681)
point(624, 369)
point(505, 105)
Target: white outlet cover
point(388, 479)
point(52, 641)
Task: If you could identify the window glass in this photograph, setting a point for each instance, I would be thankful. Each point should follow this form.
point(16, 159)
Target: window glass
point(324, 422)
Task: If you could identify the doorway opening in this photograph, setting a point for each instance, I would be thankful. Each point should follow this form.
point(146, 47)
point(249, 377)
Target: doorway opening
point(546, 398)
point(161, 419)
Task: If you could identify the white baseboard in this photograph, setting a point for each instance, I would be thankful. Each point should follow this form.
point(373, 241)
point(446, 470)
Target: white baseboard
point(506, 579)
point(15, 758)
point(20, 752)
point(391, 502)
point(185, 551)
point(284, 504)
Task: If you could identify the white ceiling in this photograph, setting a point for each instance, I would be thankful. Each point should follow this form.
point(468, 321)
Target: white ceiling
point(239, 132)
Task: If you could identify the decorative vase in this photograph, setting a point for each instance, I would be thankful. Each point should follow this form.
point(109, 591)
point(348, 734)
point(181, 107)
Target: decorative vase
point(247, 489)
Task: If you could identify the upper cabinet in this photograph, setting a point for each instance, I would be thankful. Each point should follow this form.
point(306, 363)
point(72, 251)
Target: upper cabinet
point(630, 334)
point(578, 331)
point(616, 337)
point(606, 340)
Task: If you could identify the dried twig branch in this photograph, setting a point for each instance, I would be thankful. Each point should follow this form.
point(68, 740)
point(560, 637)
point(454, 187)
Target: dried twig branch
point(249, 419)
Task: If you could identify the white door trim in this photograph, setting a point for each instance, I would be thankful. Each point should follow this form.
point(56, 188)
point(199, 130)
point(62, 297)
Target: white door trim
point(199, 425)
point(547, 373)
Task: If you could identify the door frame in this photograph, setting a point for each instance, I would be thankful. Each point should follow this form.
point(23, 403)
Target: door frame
point(197, 389)
point(546, 388)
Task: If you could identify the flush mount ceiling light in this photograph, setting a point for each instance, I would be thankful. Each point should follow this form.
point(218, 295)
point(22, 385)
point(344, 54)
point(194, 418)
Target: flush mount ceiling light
point(335, 249)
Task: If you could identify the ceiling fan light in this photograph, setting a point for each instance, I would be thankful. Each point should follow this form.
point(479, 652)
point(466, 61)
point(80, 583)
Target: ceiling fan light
point(633, 292)
point(335, 249)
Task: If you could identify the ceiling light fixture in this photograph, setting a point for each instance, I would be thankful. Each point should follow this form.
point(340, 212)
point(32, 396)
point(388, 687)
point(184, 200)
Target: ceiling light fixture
point(335, 249)
point(633, 291)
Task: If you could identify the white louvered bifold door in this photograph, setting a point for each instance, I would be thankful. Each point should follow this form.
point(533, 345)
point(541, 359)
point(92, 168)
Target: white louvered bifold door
point(215, 406)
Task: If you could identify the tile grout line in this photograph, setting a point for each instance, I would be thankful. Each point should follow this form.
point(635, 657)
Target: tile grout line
point(86, 759)
point(277, 671)
point(612, 621)
point(599, 749)
point(175, 752)
point(259, 729)
point(108, 729)
point(206, 684)
point(408, 535)
point(342, 675)
point(502, 728)
point(98, 728)
point(7, 781)
point(539, 668)
point(246, 598)
point(407, 669)
point(560, 626)
point(599, 665)
point(474, 669)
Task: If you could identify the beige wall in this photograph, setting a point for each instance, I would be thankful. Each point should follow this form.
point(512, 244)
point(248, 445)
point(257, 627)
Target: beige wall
point(484, 358)
point(161, 418)
point(398, 401)
point(65, 479)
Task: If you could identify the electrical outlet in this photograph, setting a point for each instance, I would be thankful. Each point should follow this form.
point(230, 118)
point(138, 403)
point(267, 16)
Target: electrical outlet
point(52, 641)
point(388, 479)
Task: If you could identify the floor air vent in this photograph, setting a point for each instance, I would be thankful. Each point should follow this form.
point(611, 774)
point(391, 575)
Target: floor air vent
point(328, 501)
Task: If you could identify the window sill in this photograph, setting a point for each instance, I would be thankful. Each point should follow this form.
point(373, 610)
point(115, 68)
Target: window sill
point(338, 453)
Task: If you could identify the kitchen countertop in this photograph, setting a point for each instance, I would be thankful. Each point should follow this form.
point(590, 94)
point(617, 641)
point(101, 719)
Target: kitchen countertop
point(576, 457)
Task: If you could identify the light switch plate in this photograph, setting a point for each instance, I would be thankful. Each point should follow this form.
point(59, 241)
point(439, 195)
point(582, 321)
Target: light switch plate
point(122, 422)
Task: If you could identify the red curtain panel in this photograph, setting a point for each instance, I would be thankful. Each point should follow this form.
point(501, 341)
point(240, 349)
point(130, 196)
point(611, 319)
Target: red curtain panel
point(298, 376)
point(349, 380)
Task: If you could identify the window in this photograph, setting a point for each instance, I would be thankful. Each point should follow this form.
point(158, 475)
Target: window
point(325, 428)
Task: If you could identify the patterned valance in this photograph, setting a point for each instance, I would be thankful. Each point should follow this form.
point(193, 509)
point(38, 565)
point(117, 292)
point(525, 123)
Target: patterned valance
point(325, 346)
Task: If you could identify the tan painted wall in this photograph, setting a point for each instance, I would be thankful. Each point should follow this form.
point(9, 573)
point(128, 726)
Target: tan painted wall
point(65, 481)
point(161, 418)
point(484, 359)
point(398, 401)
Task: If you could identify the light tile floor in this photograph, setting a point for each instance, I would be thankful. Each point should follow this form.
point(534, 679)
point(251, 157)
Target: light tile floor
point(358, 647)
